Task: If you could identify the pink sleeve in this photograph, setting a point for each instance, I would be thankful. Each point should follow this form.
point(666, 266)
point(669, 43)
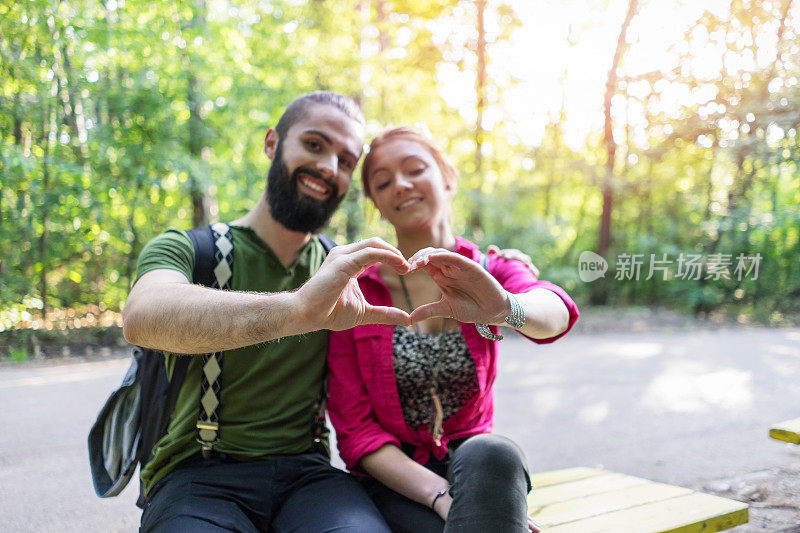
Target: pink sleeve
point(517, 278)
point(358, 431)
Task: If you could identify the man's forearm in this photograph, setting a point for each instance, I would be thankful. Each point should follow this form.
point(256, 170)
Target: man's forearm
point(165, 312)
point(190, 319)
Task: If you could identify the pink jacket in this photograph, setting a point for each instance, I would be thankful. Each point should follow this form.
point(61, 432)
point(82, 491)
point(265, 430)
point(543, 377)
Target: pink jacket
point(364, 404)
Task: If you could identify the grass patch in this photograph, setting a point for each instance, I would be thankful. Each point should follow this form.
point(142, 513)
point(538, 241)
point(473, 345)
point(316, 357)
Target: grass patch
point(18, 354)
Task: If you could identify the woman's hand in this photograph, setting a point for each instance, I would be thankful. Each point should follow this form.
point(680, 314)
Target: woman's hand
point(469, 293)
point(512, 254)
point(442, 506)
point(445, 501)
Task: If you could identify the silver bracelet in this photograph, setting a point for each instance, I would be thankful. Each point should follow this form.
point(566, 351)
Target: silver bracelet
point(486, 333)
point(516, 320)
point(439, 495)
point(517, 317)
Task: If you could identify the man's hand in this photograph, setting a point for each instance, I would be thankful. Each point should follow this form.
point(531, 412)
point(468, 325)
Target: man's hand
point(512, 254)
point(332, 299)
point(469, 293)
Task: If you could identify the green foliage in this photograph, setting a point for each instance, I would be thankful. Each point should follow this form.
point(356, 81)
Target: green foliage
point(120, 119)
point(18, 354)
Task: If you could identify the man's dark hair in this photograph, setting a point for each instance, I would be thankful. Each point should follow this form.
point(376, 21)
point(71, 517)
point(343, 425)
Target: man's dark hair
point(299, 107)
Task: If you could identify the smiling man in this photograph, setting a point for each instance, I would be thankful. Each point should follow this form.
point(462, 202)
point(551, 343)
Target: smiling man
point(265, 472)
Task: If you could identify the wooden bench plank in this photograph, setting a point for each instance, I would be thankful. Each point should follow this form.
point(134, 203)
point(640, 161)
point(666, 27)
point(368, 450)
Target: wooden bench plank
point(562, 492)
point(693, 513)
point(788, 431)
point(604, 503)
point(554, 477)
point(593, 501)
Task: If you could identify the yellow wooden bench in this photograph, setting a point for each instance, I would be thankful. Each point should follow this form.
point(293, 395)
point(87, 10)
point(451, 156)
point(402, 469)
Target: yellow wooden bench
point(788, 431)
point(588, 500)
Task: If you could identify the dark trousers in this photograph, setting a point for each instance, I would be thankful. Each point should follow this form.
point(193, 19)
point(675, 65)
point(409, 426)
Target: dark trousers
point(292, 493)
point(490, 485)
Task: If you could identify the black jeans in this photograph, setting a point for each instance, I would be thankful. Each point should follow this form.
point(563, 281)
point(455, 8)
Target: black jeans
point(291, 493)
point(490, 485)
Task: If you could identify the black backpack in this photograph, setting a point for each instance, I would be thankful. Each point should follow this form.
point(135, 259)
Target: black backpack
point(137, 414)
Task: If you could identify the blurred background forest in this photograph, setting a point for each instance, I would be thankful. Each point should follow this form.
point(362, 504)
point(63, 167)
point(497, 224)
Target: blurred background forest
point(616, 126)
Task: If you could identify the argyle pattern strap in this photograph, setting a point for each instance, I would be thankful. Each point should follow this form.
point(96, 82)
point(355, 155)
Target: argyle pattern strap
point(211, 375)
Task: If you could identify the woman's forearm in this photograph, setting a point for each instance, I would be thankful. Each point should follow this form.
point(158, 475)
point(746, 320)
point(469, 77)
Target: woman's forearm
point(546, 315)
point(389, 465)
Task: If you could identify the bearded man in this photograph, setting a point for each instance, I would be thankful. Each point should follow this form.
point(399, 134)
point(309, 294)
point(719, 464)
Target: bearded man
point(266, 470)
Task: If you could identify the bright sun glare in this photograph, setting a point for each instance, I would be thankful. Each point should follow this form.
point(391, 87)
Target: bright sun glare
point(560, 58)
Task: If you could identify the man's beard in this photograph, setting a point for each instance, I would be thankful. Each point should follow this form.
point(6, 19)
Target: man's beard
point(296, 211)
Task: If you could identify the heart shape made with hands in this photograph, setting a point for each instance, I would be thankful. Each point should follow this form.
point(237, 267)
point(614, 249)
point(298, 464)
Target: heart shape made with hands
point(469, 292)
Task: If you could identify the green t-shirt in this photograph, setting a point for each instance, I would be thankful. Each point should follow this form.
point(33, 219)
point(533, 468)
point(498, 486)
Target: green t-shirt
point(271, 391)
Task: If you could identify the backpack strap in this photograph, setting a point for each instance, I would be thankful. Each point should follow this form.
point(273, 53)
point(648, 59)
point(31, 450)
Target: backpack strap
point(320, 429)
point(203, 243)
point(205, 263)
point(213, 268)
point(326, 242)
point(202, 274)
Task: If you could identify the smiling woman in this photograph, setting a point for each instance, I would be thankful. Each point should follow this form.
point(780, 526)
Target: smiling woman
point(412, 407)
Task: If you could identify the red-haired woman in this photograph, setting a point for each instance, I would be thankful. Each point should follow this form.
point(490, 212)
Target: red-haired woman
point(413, 407)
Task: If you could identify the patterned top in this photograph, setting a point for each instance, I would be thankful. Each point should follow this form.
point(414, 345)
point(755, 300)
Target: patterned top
point(414, 358)
point(363, 401)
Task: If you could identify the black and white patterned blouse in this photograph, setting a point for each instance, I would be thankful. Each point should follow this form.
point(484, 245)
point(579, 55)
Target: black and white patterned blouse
point(414, 358)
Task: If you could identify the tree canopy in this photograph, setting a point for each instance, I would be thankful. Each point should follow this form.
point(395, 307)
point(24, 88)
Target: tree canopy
point(119, 119)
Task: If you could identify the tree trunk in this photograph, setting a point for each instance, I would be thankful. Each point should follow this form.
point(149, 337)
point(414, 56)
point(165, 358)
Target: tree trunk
point(599, 294)
point(73, 108)
point(383, 45)
point(604, 240)
point(17, 128)
point(476, 220)
point(130, 264)
point(195, 146)
point(197, 134)
point(480, 85)
point(48, 124)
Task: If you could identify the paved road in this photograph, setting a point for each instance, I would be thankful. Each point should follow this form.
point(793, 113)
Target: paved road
point(684, 407)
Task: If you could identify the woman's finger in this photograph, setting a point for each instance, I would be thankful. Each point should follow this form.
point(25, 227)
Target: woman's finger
point(423, 312)
point(422, 252)
point(450, 259)
point(429, 251)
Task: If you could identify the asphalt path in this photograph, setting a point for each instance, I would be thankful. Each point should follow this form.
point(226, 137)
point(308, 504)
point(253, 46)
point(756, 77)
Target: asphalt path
point(685, 407)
